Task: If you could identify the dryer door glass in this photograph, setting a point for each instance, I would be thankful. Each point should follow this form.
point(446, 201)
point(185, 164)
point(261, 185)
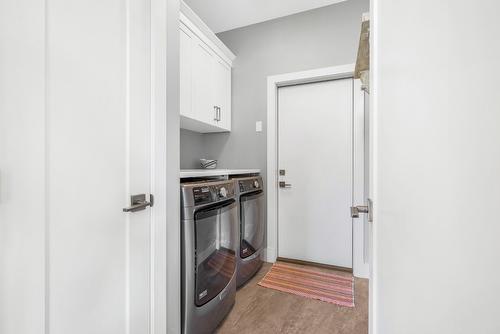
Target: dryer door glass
point(216, 243)
point(252, 223)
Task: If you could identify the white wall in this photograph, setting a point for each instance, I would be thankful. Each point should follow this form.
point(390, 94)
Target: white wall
point(22, 190)
point(437, 117)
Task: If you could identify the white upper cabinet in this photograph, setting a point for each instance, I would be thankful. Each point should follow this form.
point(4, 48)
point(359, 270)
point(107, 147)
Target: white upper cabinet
point(203, 82)
point(205, 77)
point(186, 72)
point(222, 86)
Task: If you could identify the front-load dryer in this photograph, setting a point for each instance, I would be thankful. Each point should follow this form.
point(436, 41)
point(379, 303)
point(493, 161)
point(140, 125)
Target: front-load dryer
point(209, 254)
point(250, 195)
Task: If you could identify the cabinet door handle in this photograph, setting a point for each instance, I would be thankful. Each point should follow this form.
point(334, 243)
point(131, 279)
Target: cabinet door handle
point(218, 118)
point(216, 114)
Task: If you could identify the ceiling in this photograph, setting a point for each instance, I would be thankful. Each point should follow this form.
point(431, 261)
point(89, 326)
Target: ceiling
point(223, 15)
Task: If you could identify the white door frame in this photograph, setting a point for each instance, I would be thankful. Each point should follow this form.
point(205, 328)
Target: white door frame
point(360, 266)
point(165, 231)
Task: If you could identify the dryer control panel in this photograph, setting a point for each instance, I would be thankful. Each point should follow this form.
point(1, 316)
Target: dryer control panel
point(250, 184)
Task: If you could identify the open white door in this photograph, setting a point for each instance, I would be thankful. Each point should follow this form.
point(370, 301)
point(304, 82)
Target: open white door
point(77, 139)
point(434, 91)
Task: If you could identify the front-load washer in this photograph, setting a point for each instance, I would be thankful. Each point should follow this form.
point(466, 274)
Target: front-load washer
point(209, 254)
point(250, 195)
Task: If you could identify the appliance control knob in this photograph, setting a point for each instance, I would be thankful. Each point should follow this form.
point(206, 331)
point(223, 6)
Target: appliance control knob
point(255, 184)
point(223, 192)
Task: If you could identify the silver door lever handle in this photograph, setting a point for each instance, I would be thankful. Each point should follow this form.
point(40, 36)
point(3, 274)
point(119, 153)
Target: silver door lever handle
point(139, 203)
point(356, 210)
point(368, 209)
point(283, 184)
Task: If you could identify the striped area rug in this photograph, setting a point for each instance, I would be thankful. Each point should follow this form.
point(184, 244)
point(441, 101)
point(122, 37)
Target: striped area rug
point(310, 283)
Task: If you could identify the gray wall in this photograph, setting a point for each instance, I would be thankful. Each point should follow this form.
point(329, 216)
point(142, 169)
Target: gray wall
point(319, 38)
point(192, 149)
point(322, 37)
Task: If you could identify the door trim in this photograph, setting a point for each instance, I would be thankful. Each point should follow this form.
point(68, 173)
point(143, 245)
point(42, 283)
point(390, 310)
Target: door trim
point(360, 267)
point(165, 313)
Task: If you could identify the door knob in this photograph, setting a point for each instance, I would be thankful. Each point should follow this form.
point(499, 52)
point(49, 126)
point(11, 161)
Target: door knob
point(283, 184)
point(356, 210)
point(139, 203)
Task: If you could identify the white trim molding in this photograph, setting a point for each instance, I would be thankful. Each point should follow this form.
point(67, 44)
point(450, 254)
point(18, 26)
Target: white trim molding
point(165, 313)
point(273, 83)
point(194, 23)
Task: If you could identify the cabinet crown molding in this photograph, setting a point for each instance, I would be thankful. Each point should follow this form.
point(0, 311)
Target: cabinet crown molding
point(192, 21)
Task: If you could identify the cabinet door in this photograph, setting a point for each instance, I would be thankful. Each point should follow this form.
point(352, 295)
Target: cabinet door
point(186, 72)
point(223, 93)
point(203, 83)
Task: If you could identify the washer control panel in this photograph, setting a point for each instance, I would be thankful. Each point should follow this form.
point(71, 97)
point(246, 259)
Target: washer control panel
point(222, 192)
point(250, 184)
point(212, 193)
point(202, 195)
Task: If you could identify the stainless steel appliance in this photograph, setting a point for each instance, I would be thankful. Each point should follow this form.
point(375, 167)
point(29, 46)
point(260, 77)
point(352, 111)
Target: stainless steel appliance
point(250, 194)
point(209, 253)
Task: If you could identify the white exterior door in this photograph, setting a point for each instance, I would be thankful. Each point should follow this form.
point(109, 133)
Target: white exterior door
point(315, 150)
point(75, 143)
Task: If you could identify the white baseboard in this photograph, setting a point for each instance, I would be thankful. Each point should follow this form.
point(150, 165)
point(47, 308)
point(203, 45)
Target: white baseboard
point(269, 255)
point(362, 271)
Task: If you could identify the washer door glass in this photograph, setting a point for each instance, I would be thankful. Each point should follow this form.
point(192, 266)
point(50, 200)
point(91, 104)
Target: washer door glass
point(216, 243)
point(252, 221)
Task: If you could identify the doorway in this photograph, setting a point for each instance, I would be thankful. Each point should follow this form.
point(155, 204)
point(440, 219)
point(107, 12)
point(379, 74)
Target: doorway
point(315, 172)
point(310, 193)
